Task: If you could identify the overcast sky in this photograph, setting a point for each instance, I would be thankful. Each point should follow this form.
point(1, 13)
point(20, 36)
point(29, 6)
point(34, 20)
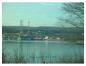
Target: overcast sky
point(36, 14)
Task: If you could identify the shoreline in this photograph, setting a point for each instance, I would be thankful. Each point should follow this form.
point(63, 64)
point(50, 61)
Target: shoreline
point(77, 42)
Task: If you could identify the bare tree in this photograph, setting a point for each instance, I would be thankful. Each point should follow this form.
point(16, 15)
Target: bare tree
point(75, 14)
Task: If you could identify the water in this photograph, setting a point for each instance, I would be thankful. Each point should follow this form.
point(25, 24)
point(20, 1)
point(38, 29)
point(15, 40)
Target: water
point(43, 51)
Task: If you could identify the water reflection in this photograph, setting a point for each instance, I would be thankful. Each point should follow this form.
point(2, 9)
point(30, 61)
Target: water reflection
point(44, 52)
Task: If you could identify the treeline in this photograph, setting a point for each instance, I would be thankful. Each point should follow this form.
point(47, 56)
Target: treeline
point(28, 33)
point(47, 29)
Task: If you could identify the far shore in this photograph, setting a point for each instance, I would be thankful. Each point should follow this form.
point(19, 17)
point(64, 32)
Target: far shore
point(78, 42)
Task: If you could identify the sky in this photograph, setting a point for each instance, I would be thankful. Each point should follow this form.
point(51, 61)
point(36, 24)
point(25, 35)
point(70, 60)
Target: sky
point(32, 14)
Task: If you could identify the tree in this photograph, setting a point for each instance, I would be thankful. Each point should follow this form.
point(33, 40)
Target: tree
point(74, 14)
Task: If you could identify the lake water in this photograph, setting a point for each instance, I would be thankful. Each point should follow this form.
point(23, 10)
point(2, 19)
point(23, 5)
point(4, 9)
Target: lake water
point(42, 52)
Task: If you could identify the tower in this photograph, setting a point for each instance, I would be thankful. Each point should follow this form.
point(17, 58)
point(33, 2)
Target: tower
point(28, 24)
point(21, 23)
point(21, 27)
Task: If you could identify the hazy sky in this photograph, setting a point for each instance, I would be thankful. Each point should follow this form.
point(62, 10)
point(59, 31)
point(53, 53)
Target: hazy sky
point(38, 14)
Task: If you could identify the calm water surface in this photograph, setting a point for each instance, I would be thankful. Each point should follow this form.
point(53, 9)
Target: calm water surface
point(43, 51)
